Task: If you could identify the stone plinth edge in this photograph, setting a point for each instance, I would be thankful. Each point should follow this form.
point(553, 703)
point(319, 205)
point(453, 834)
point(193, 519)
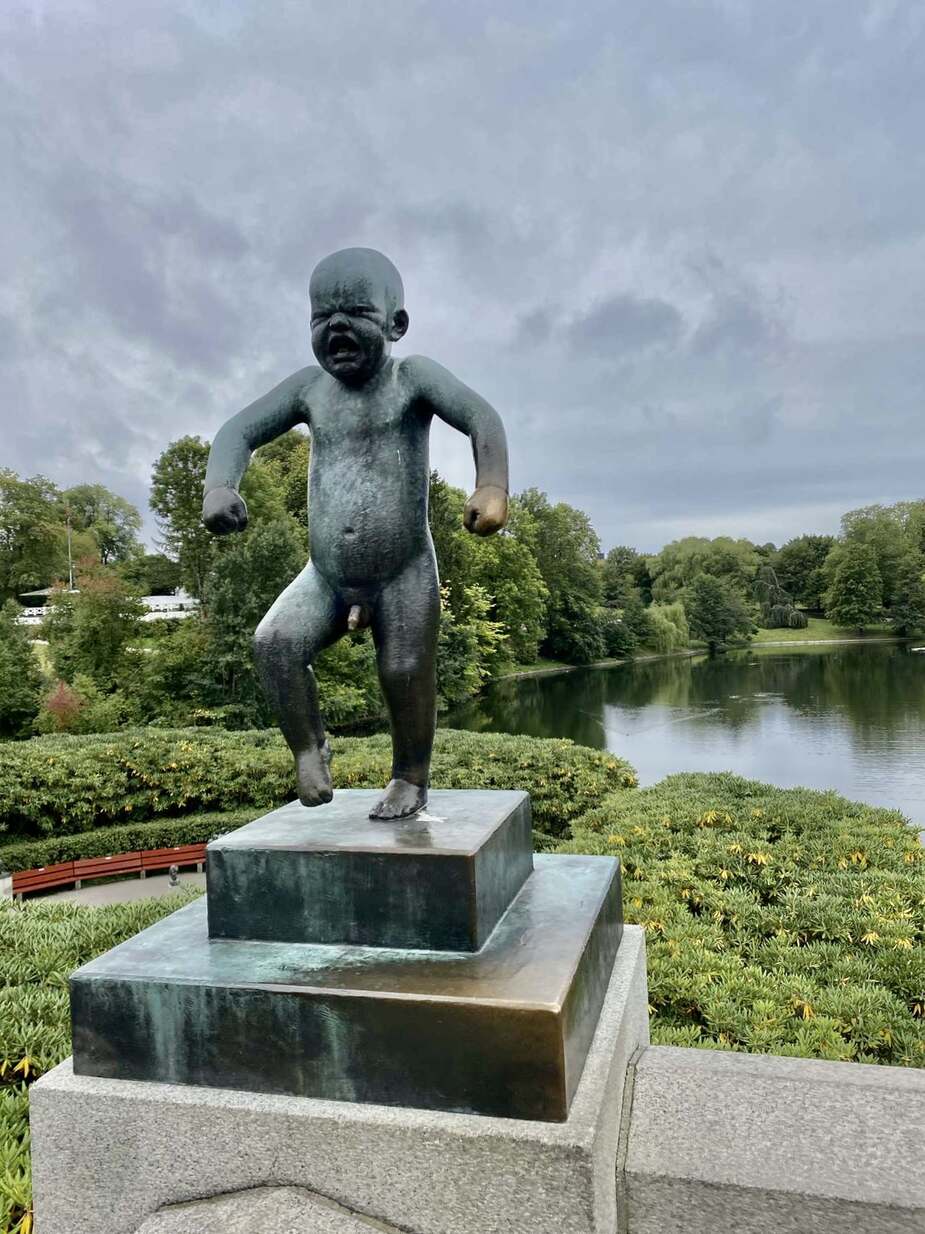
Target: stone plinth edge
point(753, 1144)
point(107, 1154)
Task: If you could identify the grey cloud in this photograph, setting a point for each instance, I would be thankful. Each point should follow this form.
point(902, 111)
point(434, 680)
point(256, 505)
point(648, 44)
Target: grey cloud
point(626, 323)
point(610, 220)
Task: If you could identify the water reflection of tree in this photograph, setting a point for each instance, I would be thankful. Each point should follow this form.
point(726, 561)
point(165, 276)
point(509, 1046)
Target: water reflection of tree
point(879, 690)
point(561, 705)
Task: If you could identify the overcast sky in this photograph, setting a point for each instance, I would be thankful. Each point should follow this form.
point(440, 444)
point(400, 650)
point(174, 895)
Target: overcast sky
point(680, 244)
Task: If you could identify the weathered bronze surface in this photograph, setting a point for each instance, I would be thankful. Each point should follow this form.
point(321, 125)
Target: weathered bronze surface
point(501, 1031)
point(440, 880)
point(372, 558)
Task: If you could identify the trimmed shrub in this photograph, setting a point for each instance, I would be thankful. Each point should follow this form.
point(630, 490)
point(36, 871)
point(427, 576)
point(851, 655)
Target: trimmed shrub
point(63, 785)
point(778, 921)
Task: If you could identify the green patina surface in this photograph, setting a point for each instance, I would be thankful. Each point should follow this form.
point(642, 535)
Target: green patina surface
point(440, 880)
point(504, 1030)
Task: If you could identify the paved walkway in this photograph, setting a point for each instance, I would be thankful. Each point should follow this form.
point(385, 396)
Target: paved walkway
point(128, 889)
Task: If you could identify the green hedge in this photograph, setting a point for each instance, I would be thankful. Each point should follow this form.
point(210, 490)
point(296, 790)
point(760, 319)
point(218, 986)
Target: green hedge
point(64, 785)
point(128, 838)
point(777, 921)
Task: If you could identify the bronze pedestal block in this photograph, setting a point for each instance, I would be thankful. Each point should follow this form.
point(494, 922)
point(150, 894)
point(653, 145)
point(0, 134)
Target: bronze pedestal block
point(439, 881)
point(504, 1030)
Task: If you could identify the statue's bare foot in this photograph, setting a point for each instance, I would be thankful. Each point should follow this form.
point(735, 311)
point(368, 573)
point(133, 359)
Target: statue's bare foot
point(313, 775)
point(401, 799)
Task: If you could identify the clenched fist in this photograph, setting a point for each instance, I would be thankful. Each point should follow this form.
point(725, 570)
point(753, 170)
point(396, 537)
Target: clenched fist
point(224, 510)
point(486, 510)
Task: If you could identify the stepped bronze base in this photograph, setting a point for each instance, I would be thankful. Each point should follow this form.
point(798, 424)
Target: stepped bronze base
point(501, 1031)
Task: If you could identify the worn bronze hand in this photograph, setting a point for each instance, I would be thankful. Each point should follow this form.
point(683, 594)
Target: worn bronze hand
point(223, 511)
point(486, 510)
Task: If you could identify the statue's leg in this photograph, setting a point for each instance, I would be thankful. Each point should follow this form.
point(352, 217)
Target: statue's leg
point(405, 620)
point(306, 618)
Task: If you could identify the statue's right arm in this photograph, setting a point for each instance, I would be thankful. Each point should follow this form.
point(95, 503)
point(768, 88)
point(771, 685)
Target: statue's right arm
point(267, 418)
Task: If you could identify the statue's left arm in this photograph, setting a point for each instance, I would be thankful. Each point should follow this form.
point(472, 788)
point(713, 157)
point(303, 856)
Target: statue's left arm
point(457, 405)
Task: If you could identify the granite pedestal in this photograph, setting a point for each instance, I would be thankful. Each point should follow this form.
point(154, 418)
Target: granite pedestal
point(401, 1011)
point(108, 1154)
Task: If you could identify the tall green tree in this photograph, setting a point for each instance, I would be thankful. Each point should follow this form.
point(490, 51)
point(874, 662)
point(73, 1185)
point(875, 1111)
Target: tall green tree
point(668, 627)
point(567, 552)
point(248, 572)
point(884, 529)
point(715, 610)
point(90, 632)
point(623, 571)
point(799, 568)
point(286, 460)
point(20, 675)
point(619, 573)
point(112, 521)
point(854, 598)
point(679, 563)
point(467, 646)
point(176, 499)
point(775, 605)
point(33, 539)
point(911, 516)
point(444, 512)
point(502, 566)
point(151, 574)
point(907, 612)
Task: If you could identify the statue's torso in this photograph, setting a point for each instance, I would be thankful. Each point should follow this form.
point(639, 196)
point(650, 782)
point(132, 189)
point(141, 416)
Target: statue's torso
point(368, 479)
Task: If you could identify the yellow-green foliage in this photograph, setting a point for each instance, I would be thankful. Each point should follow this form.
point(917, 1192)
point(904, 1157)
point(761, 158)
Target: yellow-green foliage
point(777, 921)
point(63, 785)
point(40, 945)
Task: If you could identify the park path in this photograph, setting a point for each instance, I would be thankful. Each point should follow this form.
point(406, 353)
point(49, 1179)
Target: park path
point(128, 889)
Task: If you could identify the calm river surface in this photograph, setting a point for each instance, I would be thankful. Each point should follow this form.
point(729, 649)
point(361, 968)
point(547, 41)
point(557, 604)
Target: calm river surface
point(845, 717)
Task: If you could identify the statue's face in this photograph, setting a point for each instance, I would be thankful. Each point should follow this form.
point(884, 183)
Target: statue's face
point(351, 330)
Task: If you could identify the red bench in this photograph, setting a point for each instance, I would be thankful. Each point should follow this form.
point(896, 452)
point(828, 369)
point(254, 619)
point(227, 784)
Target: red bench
point(67, 873)
point(45, 876)
point(164, 858)
point(100, 867)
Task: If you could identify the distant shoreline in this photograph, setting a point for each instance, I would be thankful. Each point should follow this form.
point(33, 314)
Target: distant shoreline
point(690, 652)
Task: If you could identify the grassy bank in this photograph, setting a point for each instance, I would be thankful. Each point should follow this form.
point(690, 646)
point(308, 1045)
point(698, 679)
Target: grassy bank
point(821, 630)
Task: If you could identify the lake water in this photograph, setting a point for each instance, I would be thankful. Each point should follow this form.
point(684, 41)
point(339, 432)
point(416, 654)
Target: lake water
point(848, 717)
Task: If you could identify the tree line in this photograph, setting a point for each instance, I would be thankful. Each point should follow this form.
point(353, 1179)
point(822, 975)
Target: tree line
point(540, 589)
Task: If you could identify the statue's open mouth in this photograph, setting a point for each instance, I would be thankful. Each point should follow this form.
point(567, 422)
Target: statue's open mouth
point(342, 348)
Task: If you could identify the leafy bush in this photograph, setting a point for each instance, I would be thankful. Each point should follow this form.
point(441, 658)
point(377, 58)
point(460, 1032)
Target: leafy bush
point(81, 708)
point(777, 921)
point(62, 785)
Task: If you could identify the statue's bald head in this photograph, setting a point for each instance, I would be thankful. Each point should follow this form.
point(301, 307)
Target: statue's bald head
point(351, 269)
point(357, 313)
